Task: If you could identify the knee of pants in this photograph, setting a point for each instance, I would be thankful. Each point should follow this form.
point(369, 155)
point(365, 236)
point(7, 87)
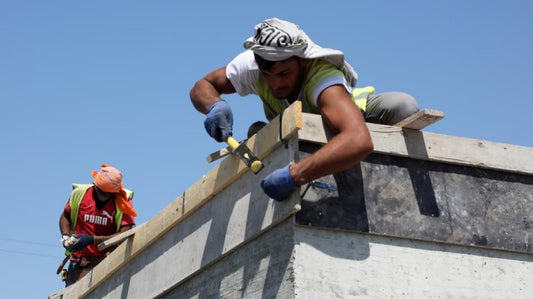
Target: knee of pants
point(397, 106)
point(406, 106)
point(390, 108)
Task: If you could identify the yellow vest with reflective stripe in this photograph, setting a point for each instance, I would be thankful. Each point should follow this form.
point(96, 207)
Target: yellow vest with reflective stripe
point(317, 71)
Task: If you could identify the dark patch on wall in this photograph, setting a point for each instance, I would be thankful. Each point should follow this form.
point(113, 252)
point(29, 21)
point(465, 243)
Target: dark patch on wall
point(424, 200)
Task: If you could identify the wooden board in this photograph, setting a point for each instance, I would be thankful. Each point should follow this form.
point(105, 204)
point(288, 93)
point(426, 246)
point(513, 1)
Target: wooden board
point(432, 147)
point(218, 154)
point(421, 119)
point(116, 240)
point(417, 121)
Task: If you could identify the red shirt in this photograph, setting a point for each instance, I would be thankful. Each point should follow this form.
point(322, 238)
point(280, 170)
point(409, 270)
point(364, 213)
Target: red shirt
point(96, 222)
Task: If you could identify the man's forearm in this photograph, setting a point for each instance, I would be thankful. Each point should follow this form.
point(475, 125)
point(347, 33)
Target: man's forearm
point(351, 144)
point(203, 95)
point(64, 224)
point(100, 239)
point(341, 153)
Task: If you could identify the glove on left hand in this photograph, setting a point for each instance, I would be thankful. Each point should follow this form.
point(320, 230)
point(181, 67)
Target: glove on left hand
point(279, 184)
point(83, 241)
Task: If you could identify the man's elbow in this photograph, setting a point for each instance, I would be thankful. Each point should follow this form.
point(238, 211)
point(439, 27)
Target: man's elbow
point(193, 93)
point(365, 148)
point(368, 147)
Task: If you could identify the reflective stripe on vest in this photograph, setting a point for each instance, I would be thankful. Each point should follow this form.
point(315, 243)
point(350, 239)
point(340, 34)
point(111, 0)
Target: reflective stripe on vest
point(360, 96)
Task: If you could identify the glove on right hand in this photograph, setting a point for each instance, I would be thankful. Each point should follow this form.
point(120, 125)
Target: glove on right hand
point(279, 184)
point(219, 121)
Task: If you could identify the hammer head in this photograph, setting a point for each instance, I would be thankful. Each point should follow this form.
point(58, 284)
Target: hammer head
point(245, 154)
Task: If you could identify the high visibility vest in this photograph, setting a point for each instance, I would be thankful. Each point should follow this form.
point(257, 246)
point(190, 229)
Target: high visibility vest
point(318, 71)
point(360, 96)
point(75, 200)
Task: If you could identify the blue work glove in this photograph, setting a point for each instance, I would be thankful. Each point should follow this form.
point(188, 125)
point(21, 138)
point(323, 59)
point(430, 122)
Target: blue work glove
point(279, 184)
point(83, 241)
point(219, 121)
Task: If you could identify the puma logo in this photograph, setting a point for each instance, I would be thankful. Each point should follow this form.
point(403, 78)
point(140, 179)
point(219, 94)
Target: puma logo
point(105, 213)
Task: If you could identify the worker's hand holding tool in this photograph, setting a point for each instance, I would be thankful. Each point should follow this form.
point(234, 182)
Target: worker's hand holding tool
point(279, 184)
point(219, 121)
point(76, 242)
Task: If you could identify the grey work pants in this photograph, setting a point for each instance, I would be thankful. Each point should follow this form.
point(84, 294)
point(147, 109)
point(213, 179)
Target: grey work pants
point(389, 108)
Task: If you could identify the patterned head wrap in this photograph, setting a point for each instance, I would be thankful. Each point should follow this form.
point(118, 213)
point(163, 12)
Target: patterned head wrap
point(277, 40)
point(108, 179)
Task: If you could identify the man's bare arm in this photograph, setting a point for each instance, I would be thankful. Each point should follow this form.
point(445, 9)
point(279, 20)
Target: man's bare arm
point(351, 144)
point(64, 224)
point(207, 90)
point(100, 239)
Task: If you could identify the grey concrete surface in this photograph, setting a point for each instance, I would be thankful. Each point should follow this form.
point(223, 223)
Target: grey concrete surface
point(343, 264)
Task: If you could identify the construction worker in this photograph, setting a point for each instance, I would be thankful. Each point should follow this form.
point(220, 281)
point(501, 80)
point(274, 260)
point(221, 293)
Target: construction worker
point(94, 213)
point(282, 65)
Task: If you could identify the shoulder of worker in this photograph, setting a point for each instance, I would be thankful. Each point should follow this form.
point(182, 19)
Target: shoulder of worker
point(243, 73)
point(321, 74)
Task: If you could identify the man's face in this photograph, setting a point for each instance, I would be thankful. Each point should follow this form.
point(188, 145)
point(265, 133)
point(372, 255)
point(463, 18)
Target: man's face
point(285, 77)
point(103, 196)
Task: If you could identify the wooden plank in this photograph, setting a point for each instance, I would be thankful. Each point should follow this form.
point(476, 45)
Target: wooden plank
point(117, 239)
point(218, 154)
point(433, 147)
point(269, 138)
point(421, 119)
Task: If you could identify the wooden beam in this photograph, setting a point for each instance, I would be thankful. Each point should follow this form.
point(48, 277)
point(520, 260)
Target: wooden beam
point(117, 239)
point(218, 154)
point(421, 119)
point(417, 121)
point(421, 145)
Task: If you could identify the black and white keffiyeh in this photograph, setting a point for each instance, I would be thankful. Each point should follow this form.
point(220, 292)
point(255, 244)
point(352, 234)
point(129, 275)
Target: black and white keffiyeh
point(277, 40)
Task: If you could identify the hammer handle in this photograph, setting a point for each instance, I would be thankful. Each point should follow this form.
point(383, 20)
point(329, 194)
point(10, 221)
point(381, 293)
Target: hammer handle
point(232, 142)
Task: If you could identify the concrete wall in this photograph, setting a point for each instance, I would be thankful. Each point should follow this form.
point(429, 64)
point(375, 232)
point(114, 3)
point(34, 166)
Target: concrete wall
point(342, 264)
point(262, 268)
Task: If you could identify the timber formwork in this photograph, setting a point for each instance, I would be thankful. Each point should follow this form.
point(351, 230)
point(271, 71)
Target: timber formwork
point(425, 216)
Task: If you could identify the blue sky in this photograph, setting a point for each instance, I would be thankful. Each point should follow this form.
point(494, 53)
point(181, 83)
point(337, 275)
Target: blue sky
point(84, 83)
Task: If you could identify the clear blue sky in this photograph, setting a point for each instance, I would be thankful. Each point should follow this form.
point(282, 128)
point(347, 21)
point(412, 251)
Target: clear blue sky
point(89, 82)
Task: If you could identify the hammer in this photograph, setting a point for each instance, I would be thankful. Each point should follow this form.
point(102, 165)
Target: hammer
point(243, 152)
